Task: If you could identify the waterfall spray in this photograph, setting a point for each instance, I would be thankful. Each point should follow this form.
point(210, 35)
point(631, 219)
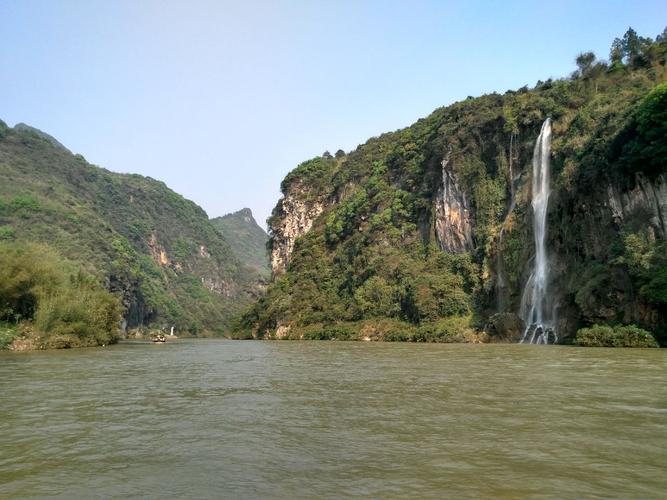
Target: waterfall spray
point(534, 310)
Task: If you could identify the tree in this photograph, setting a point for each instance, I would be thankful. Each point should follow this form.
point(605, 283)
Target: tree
point(662, 38)
point(339, 154)
point(642, 145)
point(584, 62)
point(632, 49)
point(616, 52)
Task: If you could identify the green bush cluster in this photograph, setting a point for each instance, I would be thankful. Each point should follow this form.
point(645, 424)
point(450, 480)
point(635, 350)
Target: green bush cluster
point(7, 233)
point(616, 336)
point(63, 306)
point(8, 333)
point(329, 332)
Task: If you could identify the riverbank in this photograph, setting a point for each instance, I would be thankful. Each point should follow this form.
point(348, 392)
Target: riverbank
point(23, 337)
point(454, 330)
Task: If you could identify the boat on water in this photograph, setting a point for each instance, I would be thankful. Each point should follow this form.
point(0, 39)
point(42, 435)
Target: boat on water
point(158, 338)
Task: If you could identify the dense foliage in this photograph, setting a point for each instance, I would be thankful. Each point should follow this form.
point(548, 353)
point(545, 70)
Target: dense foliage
point(246, 239)
point(51, 302)
point(137, 237)
point(374, 251)
point(617, 336)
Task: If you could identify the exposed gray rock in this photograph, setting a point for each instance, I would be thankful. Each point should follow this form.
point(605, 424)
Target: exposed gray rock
point(505, 327)
point(647, 195)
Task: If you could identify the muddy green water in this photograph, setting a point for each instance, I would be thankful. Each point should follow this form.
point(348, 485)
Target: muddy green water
point(234, 419)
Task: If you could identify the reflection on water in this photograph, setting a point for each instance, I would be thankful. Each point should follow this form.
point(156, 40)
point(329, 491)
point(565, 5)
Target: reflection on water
point(202, 419)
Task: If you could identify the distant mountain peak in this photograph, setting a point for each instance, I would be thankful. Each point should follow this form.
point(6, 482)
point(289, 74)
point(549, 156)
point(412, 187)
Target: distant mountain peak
point(246, 238)
point(245, 212)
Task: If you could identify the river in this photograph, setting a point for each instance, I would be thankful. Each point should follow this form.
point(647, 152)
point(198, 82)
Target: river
point(244, 419)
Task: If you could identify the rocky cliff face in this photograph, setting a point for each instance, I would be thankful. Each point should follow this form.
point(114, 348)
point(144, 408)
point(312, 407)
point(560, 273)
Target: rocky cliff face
point(647, 196)
point(296, 218)
point(453, 223)
point(618, 239)
point(307, 193)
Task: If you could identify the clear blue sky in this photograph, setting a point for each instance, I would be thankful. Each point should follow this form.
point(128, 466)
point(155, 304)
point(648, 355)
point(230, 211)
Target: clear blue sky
point(221, 99)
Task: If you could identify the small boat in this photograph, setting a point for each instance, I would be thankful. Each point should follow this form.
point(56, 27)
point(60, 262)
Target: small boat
point(158, 338)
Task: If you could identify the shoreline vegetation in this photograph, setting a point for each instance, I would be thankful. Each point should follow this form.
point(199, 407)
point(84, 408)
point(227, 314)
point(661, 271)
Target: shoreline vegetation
point(47, 302)
point(450, 331)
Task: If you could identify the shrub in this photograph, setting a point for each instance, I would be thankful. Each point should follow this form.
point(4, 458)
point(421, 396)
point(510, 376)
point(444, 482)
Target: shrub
point(69, 308)
point(449, 330)
point(328, 332)
point(633, 336)
point(595, 336)
point(81, 315)
point(7, 334)
point(7, 233)
point(396, 335)
point(617, 336)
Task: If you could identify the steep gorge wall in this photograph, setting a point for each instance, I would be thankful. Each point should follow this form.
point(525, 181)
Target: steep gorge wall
point(592, 275)
point(434, 221)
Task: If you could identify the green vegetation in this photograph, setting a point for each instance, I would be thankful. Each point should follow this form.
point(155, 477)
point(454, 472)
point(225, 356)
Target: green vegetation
point(450, 330)
point(246, 239)
point(132, 234)
point(45, 298)
point(617, 336)
point(641, 146)
point(374, 253)
point(8, 332)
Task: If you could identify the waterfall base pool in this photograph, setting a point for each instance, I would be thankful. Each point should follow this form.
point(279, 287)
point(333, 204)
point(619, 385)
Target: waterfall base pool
point(212, 419)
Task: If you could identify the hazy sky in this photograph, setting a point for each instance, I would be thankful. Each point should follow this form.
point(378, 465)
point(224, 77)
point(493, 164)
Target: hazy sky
point(221, 99)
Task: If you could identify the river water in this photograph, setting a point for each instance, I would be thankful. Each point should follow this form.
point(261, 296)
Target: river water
point(244, 419)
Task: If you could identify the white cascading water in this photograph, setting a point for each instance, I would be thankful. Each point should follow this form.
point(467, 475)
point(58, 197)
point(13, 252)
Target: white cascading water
point(534, 307)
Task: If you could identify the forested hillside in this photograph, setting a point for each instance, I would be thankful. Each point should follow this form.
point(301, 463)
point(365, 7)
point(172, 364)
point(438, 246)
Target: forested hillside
point(426, 233)
point(135, 237)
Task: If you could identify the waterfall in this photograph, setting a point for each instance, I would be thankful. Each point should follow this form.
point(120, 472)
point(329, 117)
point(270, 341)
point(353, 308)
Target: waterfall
point(534, 302)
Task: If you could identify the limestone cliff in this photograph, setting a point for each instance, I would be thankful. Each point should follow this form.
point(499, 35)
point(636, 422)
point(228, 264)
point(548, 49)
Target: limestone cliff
point(651, 197)
point(453, 224)
point(306, 195)
point(296, 219)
